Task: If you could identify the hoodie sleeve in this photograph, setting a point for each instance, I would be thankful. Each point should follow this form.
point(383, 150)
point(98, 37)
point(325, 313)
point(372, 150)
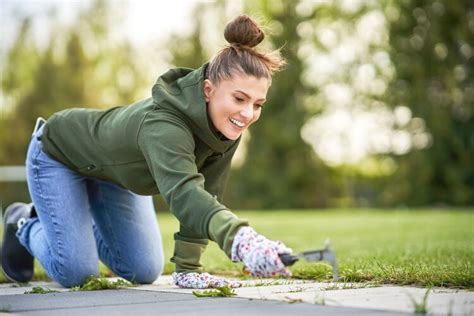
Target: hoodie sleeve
point(168, 147)
point(224, 225)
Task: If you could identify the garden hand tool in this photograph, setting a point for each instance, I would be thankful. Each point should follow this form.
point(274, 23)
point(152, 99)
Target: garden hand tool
point(326, 254)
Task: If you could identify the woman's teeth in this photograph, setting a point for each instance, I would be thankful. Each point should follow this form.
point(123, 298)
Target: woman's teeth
point(238, 123)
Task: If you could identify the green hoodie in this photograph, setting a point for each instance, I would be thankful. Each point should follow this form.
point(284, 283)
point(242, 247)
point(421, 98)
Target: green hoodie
point(165, 145)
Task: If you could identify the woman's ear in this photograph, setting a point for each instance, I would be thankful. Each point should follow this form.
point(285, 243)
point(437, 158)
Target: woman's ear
point(208, 87)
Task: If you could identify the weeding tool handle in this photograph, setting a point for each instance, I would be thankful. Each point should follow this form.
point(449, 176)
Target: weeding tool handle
point(288, 259)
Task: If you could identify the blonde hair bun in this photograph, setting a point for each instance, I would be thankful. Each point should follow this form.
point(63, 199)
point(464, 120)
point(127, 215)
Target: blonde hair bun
point(243, 31)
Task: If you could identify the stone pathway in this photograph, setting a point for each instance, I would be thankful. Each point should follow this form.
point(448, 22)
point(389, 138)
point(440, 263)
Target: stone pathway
point(256, 297)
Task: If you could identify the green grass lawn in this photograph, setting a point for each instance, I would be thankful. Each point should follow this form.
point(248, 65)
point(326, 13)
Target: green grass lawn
point(417, 247)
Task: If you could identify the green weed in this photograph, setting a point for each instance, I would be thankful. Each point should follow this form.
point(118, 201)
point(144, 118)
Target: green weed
point(94, 283)
point(225, 291)
point(273, 282)
point(296, 290)
point(292, 290)
point(293, 300)
point(320, 299)
point(420, 307)
point(349, 286)
point(331, 287)
point(40, 290)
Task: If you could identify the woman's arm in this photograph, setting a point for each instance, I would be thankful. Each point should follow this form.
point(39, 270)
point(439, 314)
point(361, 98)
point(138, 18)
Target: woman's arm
point(168, 146)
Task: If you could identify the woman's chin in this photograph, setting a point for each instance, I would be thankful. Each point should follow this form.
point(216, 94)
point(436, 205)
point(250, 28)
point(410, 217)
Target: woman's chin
point(232, 135)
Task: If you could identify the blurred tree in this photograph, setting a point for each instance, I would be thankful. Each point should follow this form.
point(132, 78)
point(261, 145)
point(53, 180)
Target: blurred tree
point(79, 66)
point(188, 51)
point(432, 51)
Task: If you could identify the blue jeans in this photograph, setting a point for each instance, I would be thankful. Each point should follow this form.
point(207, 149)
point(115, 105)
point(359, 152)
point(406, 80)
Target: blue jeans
point(81, 220)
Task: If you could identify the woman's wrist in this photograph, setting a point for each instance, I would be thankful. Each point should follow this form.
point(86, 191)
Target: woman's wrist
point(223, 227)
point(187, 256)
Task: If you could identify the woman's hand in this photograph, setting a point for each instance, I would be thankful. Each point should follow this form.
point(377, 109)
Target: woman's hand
point(259, 254)
point(194, 280)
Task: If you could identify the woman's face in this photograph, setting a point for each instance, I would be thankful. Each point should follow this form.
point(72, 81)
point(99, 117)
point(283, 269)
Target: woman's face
point(235, 104)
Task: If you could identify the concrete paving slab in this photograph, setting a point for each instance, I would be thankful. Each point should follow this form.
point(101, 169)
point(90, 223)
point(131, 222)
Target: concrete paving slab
point(387, 297)
point(131, 302)
point(392, 298)
point(163, 295)
point(12, 289)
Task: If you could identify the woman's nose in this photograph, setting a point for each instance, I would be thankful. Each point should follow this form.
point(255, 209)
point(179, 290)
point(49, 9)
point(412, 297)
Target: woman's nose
point(247, 112)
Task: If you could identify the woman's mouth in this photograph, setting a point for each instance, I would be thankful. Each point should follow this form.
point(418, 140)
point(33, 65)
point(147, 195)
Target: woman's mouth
point(237, 123)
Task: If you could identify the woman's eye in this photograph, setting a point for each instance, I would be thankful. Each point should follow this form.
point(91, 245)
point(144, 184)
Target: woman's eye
point(239, 99)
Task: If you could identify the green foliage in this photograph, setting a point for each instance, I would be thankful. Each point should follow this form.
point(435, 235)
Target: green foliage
point(189, 51)
point(225, 291)
point(78, 67)
point(94, 283)
point(40, 290)
point(431, 49)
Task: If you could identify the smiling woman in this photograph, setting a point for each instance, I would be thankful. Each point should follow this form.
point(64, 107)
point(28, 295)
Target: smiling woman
point(91, 175)
point(238, 78)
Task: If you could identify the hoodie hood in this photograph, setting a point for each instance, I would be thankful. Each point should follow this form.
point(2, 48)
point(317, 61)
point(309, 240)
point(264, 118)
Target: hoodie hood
point(180, 90)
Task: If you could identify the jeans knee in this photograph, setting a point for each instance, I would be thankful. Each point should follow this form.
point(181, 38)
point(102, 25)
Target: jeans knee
point(76, 274)
point(144, 271)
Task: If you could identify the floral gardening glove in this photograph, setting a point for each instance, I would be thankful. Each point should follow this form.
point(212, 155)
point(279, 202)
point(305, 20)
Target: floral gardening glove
point(259, 255)
point(194, 280)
